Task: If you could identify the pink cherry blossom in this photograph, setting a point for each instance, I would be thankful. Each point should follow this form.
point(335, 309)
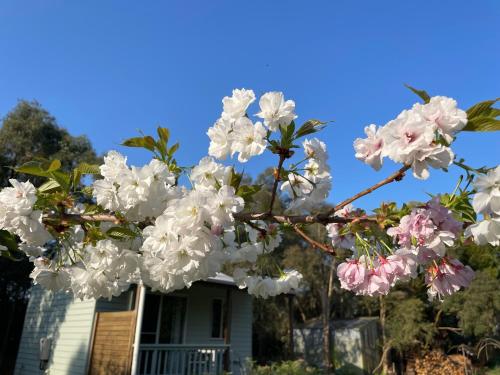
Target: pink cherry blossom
point(351, 274)
point(447, 278)
point(390, 268)
point(375, 284)
point(432, 226)
point(408, 263)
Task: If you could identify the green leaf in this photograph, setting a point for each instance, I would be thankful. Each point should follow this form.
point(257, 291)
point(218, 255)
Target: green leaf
point(482, 117)
point(164, 134)
point(146, 142)
point(173, 149)
point(63, 179)
point(49, 186)
point(483, 109)
point(421, 93)
point(86, 168)
point(41, 169)
point(309, 127)
point(134, 142)
point(287, 134)
point(247, 191)
point(149, 143)
point(54, 165)
point(235, 179)
point(8, 240)
point(482, 124)
point(120, 233)
point(34, 168)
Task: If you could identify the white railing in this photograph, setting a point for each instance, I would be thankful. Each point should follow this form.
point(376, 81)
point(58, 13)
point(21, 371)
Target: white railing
point(181, 359)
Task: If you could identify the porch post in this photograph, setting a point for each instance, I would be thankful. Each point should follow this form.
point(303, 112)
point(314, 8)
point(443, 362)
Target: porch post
point(139, 311)
point(227, 329)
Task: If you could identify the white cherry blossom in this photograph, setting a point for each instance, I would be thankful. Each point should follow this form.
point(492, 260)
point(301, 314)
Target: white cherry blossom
point(248, 139)
point(275, 110)
point(236, 105)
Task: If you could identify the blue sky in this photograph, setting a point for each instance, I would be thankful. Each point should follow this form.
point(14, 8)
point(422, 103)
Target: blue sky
point(109, 68)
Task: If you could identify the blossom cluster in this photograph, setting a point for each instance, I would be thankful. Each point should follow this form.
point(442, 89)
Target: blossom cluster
point(421, 239)
point(418, 137)
point(137, 192)
point(190, 240)
point(18, 216)
point(168, 235)
point(234, 132)
point(265, 287)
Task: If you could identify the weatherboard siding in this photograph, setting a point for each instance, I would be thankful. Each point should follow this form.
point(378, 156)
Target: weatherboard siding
point(241, 329)
point(67, 322)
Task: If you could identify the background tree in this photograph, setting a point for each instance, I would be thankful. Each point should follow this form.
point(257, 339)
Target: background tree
point(28, 132)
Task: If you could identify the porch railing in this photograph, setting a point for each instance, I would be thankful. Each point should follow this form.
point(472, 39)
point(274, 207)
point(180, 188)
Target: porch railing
point(172, 359)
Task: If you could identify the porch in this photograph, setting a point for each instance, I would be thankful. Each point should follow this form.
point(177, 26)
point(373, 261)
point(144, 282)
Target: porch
point(182, 359)
point(204, 330)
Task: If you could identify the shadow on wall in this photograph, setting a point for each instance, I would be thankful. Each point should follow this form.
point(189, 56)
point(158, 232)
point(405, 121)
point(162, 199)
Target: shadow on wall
point(44, 316)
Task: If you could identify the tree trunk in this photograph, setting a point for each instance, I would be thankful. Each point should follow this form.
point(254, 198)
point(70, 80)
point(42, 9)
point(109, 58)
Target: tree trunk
point(328, 343)
point(325, 318)
point(386, 361)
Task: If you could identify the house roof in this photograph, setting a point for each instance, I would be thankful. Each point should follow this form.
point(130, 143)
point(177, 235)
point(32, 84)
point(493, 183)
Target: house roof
point(221, 278)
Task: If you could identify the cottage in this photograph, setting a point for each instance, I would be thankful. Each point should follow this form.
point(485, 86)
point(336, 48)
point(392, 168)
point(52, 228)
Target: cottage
point(206, 329)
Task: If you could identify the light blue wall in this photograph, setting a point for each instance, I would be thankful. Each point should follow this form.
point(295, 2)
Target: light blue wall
point(67, 321)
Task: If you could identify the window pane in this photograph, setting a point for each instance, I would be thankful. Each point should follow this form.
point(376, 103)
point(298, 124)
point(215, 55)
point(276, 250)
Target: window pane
point(173, 316)
point(150, 314)
point(217, 318)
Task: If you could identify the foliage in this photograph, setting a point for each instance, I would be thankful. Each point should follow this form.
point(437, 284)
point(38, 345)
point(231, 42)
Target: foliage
point(283, 368)
point(477, 307)
point(407, 326)
point(29, 132)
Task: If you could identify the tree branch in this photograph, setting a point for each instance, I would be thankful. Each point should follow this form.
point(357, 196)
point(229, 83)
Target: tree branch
point(327, 248)
point(80, 219)
point(396, 176)
point(277, 178)
point(243, 217)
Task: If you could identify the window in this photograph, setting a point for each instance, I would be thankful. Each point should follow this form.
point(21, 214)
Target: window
point(163, 319)
point(150, 318)
point(217, 318)
point(172, 318)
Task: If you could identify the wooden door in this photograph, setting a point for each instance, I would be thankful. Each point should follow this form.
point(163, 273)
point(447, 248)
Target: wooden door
point(112, 343)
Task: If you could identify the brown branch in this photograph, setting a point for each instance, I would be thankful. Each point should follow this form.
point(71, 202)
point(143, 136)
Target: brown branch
point(396, 176)
point(300, 219)
point(243, 217)
point(80, 219)
point(277, 178)
point(327, 248)
point(262, 231)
